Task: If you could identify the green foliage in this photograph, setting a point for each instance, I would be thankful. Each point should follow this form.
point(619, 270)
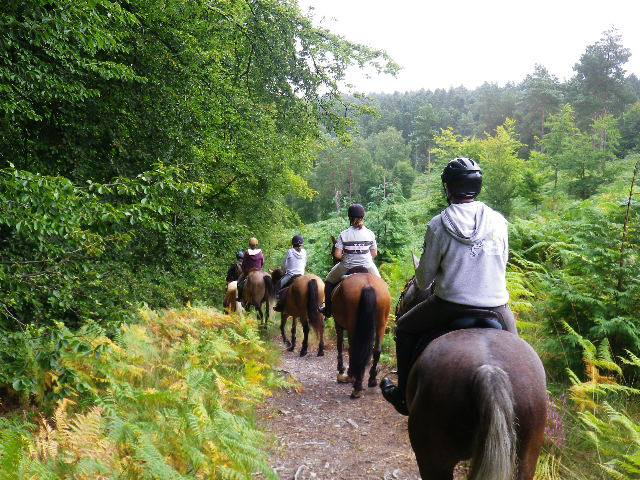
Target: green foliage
point(630, 128)
point(170, 397)
point(497, 155)
point(405, 175)
point(388, 148)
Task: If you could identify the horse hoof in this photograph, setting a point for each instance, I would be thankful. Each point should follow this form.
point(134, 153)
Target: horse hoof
point(291, 348)
point(356, 394)
point(303, 353)
point(372, 383)
point(287, 343)
point(321, 353)
point(342, 378)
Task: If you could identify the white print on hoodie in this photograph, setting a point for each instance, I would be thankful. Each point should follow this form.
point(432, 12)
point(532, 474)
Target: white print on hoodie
point(296, 262)
point(465, 252)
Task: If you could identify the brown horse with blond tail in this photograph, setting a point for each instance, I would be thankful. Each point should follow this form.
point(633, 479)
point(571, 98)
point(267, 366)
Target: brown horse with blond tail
point(361, 305)
point(304, 297)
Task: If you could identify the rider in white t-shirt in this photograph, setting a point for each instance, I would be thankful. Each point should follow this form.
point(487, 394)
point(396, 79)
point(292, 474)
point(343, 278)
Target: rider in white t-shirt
point(356, 247)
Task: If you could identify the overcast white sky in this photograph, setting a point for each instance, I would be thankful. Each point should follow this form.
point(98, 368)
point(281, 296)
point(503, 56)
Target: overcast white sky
point(448, 43)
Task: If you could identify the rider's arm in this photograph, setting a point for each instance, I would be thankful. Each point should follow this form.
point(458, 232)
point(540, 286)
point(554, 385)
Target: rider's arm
point(429, 261)
point(373, 249)
point(339, 246)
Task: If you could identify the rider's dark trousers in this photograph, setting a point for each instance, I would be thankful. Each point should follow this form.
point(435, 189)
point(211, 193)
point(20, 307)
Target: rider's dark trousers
point(432, 317)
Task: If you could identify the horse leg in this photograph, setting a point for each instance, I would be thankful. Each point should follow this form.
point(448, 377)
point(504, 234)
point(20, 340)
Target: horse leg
point(529, 450)
point(433, 470)
point(293, 334)
point(357, 376)
point(305, 340)
point(321, 342)
point(373, 372)
point(283, 323)
point(342, 378)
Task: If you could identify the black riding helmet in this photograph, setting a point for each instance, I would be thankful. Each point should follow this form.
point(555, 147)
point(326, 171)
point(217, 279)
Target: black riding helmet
point(240, 255)
point(462, 177)
point(355, 211)
point(297, 240)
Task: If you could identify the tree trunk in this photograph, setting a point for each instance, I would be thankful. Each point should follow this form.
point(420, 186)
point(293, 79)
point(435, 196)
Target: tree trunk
point(625, 229)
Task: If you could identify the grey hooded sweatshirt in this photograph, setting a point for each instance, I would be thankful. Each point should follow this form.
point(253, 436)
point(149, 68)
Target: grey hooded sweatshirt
point(465, 252)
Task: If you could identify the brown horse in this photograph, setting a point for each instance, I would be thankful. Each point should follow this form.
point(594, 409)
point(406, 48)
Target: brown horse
point(477, 394)
point(258, 289)
point(305, 296)
point(361, 305)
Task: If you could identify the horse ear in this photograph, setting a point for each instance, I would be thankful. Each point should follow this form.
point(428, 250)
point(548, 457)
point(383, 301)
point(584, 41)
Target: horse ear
point(333, 240)
point(416, 261)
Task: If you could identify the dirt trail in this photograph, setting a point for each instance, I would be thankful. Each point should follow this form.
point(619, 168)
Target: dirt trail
point(323, 434)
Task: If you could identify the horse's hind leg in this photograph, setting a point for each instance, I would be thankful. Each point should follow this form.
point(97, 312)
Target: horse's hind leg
point(342, 378)
point(321, 341)
point(529, 450)
point(432, 470)
point(292, 347)
point(305, 340)
point(283, 323)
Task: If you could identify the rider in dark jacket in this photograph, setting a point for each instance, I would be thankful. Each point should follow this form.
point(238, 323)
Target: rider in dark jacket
point(236, 268)
point(465, 258)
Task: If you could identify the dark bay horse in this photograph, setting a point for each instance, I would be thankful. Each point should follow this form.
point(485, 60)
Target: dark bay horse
point(305, 296)
point(258, 289)
point(361, 305)
point(477, 394)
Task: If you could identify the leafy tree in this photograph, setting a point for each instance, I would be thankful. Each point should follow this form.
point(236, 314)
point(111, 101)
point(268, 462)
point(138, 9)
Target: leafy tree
point(540, 97)
point(493, 106)
point(405, 175)
point(599, 85)
point(387, 148)
point(149, 139)
point(424, 129)
point(502, 167)
point(630, 128)
point(555, 143)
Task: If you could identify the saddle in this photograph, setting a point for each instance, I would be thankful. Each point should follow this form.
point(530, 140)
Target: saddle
point(353, 271)
point(469, 318)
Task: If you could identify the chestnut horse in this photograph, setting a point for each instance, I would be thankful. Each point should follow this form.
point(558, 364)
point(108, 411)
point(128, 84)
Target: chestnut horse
point(304, 298)
point(258, 289)
point(477, 394)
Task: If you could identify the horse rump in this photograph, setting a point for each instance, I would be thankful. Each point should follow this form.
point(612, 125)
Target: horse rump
point(494, 449)
point(364, 333)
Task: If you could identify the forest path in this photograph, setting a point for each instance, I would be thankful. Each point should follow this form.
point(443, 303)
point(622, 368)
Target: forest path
point(322, 434)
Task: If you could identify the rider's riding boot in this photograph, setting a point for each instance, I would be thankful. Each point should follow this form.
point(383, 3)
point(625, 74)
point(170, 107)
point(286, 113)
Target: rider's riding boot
point(281, 301)
point(396, 395)
point(328, 290)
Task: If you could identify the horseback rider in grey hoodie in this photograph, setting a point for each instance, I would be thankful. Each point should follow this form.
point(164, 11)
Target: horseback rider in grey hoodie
point(464, 263)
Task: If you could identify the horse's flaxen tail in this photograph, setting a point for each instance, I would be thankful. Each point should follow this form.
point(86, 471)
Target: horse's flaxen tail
point(494, 451)
point(365, 331)
point(314, 316)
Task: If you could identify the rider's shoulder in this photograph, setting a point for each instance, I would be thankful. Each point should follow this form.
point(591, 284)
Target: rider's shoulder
point(435, 223)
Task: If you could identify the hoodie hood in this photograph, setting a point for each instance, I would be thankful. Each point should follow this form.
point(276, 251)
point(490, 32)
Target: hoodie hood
point(469, 222)
point(254, 251)
point(298, 254)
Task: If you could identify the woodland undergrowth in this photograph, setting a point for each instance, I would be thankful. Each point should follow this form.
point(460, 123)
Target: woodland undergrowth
point(169, 397)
